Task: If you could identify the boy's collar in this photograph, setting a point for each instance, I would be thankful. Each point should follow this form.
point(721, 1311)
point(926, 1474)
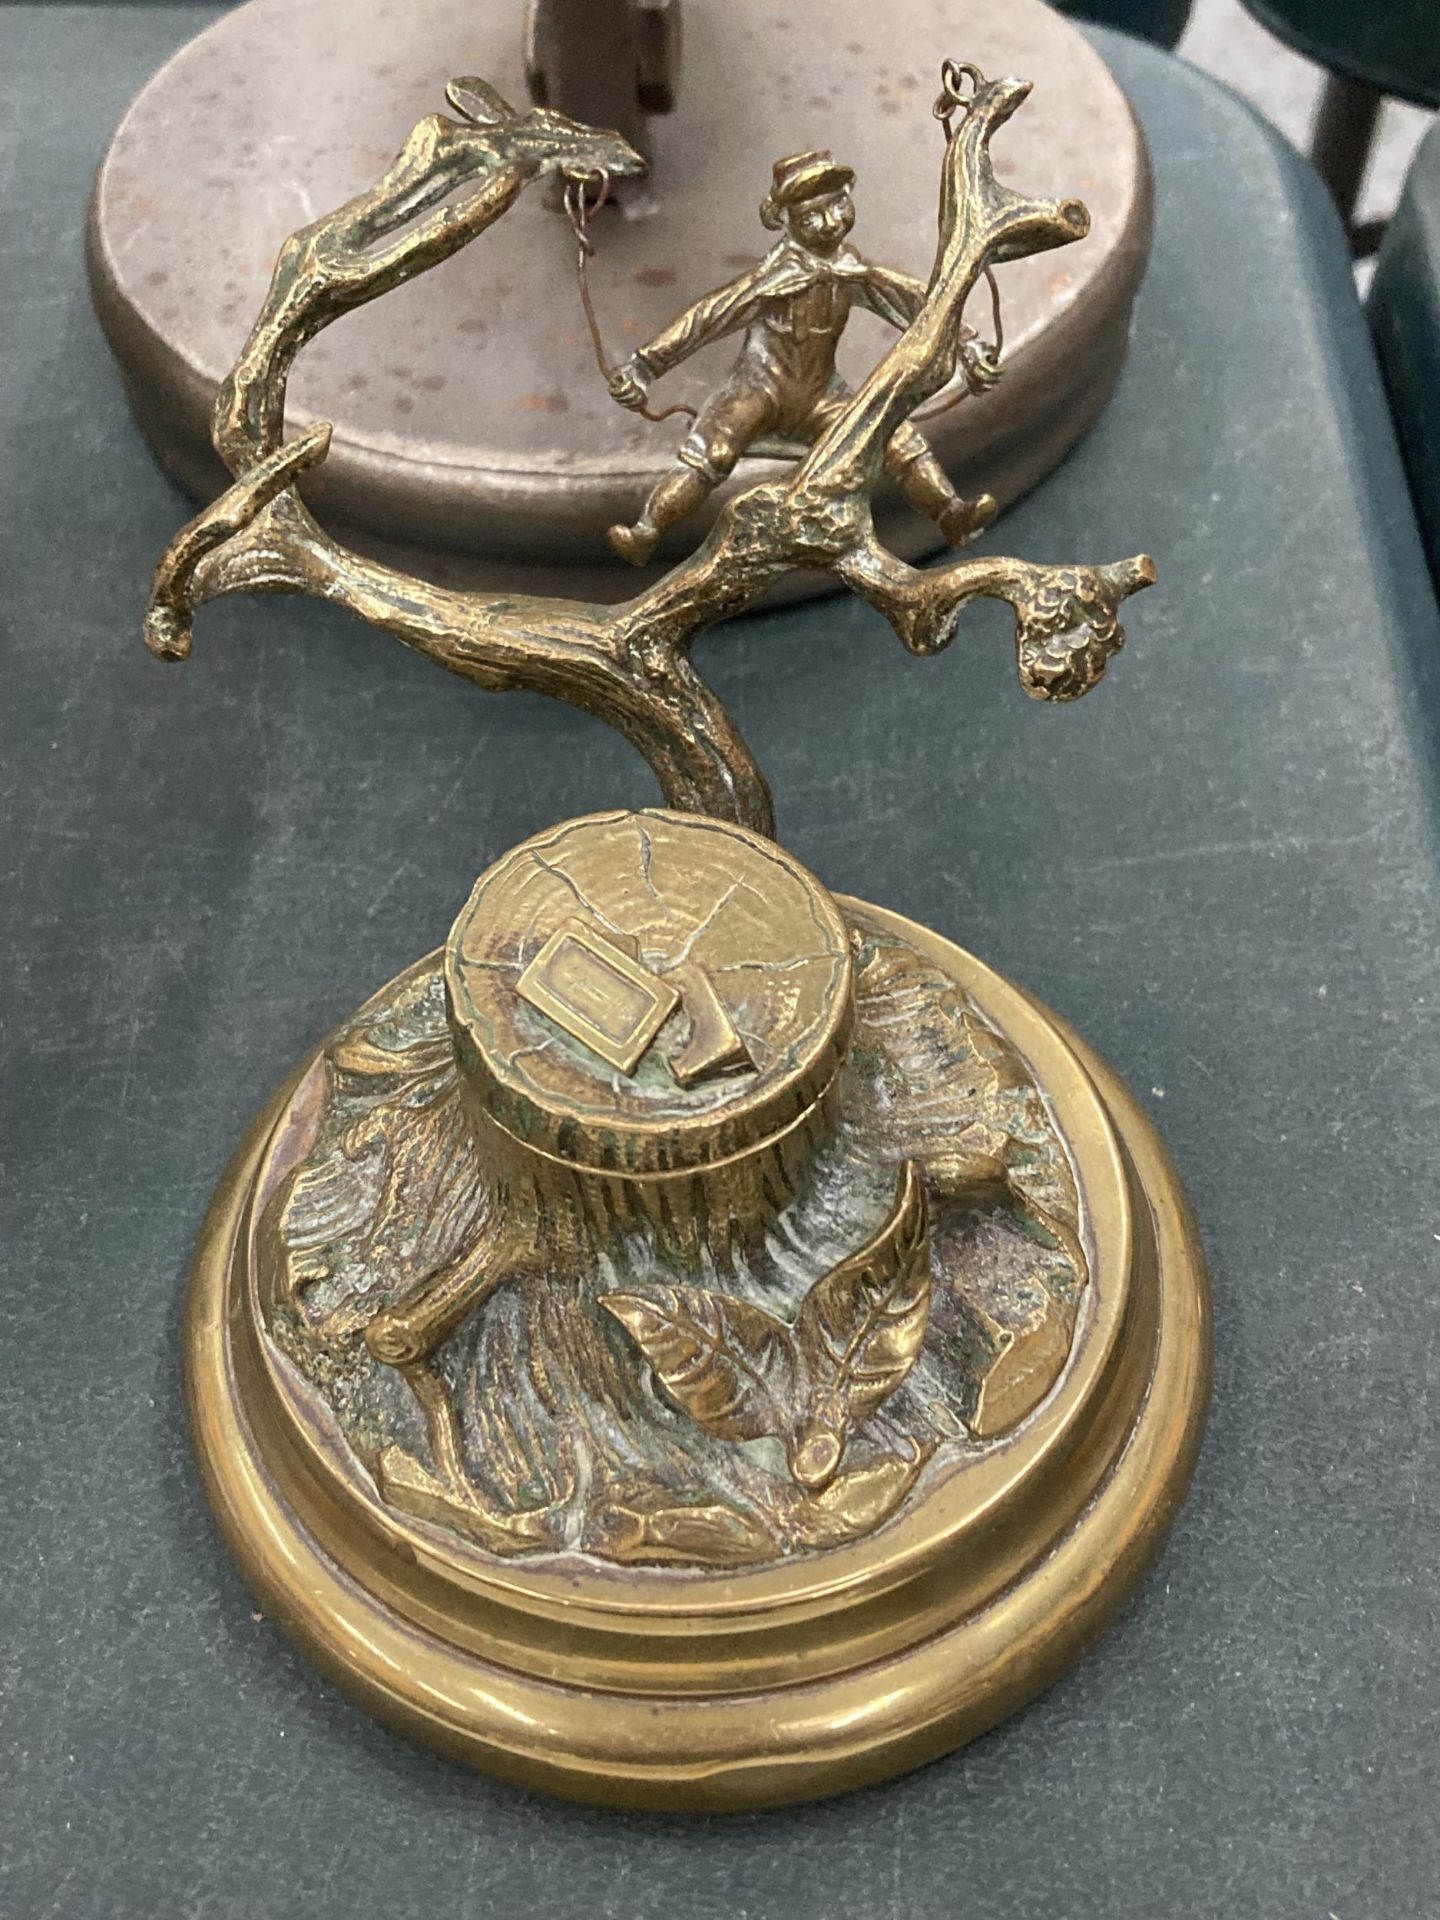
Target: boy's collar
point(789, 247)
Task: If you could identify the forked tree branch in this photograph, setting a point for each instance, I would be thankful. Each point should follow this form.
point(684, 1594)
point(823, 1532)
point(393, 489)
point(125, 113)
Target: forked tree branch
point(629, 663)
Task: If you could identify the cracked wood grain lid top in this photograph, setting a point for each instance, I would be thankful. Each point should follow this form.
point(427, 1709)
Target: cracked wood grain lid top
point(648, 993)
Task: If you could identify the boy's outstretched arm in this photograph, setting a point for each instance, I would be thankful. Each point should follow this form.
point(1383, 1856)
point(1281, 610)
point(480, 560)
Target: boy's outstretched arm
point(898, 298)
point(895, 296)
point(711, 317)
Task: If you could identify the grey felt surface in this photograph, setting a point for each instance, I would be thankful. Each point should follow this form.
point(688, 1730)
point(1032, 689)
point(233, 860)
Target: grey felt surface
point(1222, 866)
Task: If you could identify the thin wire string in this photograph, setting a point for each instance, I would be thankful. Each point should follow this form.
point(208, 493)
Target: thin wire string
point(580, 209)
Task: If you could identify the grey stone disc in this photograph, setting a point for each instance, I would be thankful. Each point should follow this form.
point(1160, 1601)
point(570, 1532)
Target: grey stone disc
point(473, 434)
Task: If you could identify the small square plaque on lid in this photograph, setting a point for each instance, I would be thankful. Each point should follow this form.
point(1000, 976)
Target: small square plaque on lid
point(600, 996)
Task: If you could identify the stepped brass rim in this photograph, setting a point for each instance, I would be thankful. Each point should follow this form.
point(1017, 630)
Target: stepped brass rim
point(688, 1689)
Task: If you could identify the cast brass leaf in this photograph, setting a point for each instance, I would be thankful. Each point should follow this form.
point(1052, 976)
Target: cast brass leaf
point(743, 1374)
point(860, 1329)
point(715, 1534)
point(728, 1364)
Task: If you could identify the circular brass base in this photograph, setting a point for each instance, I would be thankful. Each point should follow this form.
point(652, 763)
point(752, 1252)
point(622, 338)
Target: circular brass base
point(473, 435)
point(733, 1690)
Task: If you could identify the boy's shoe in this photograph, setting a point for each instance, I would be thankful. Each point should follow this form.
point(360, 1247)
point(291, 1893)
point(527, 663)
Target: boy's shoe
point(962, 520)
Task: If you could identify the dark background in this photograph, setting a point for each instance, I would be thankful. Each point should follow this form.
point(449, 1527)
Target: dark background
point(1222, 867)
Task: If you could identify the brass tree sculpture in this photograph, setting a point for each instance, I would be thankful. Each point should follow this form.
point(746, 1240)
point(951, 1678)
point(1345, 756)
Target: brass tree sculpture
point(629, 663)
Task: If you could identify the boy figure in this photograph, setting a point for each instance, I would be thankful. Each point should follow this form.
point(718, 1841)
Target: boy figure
point(793, 305)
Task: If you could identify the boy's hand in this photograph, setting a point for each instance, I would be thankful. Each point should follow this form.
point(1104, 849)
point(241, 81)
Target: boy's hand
point(630, 384)
point(981, 370)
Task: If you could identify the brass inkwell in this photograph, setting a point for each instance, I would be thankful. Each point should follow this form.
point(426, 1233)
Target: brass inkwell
point(693, 1340)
